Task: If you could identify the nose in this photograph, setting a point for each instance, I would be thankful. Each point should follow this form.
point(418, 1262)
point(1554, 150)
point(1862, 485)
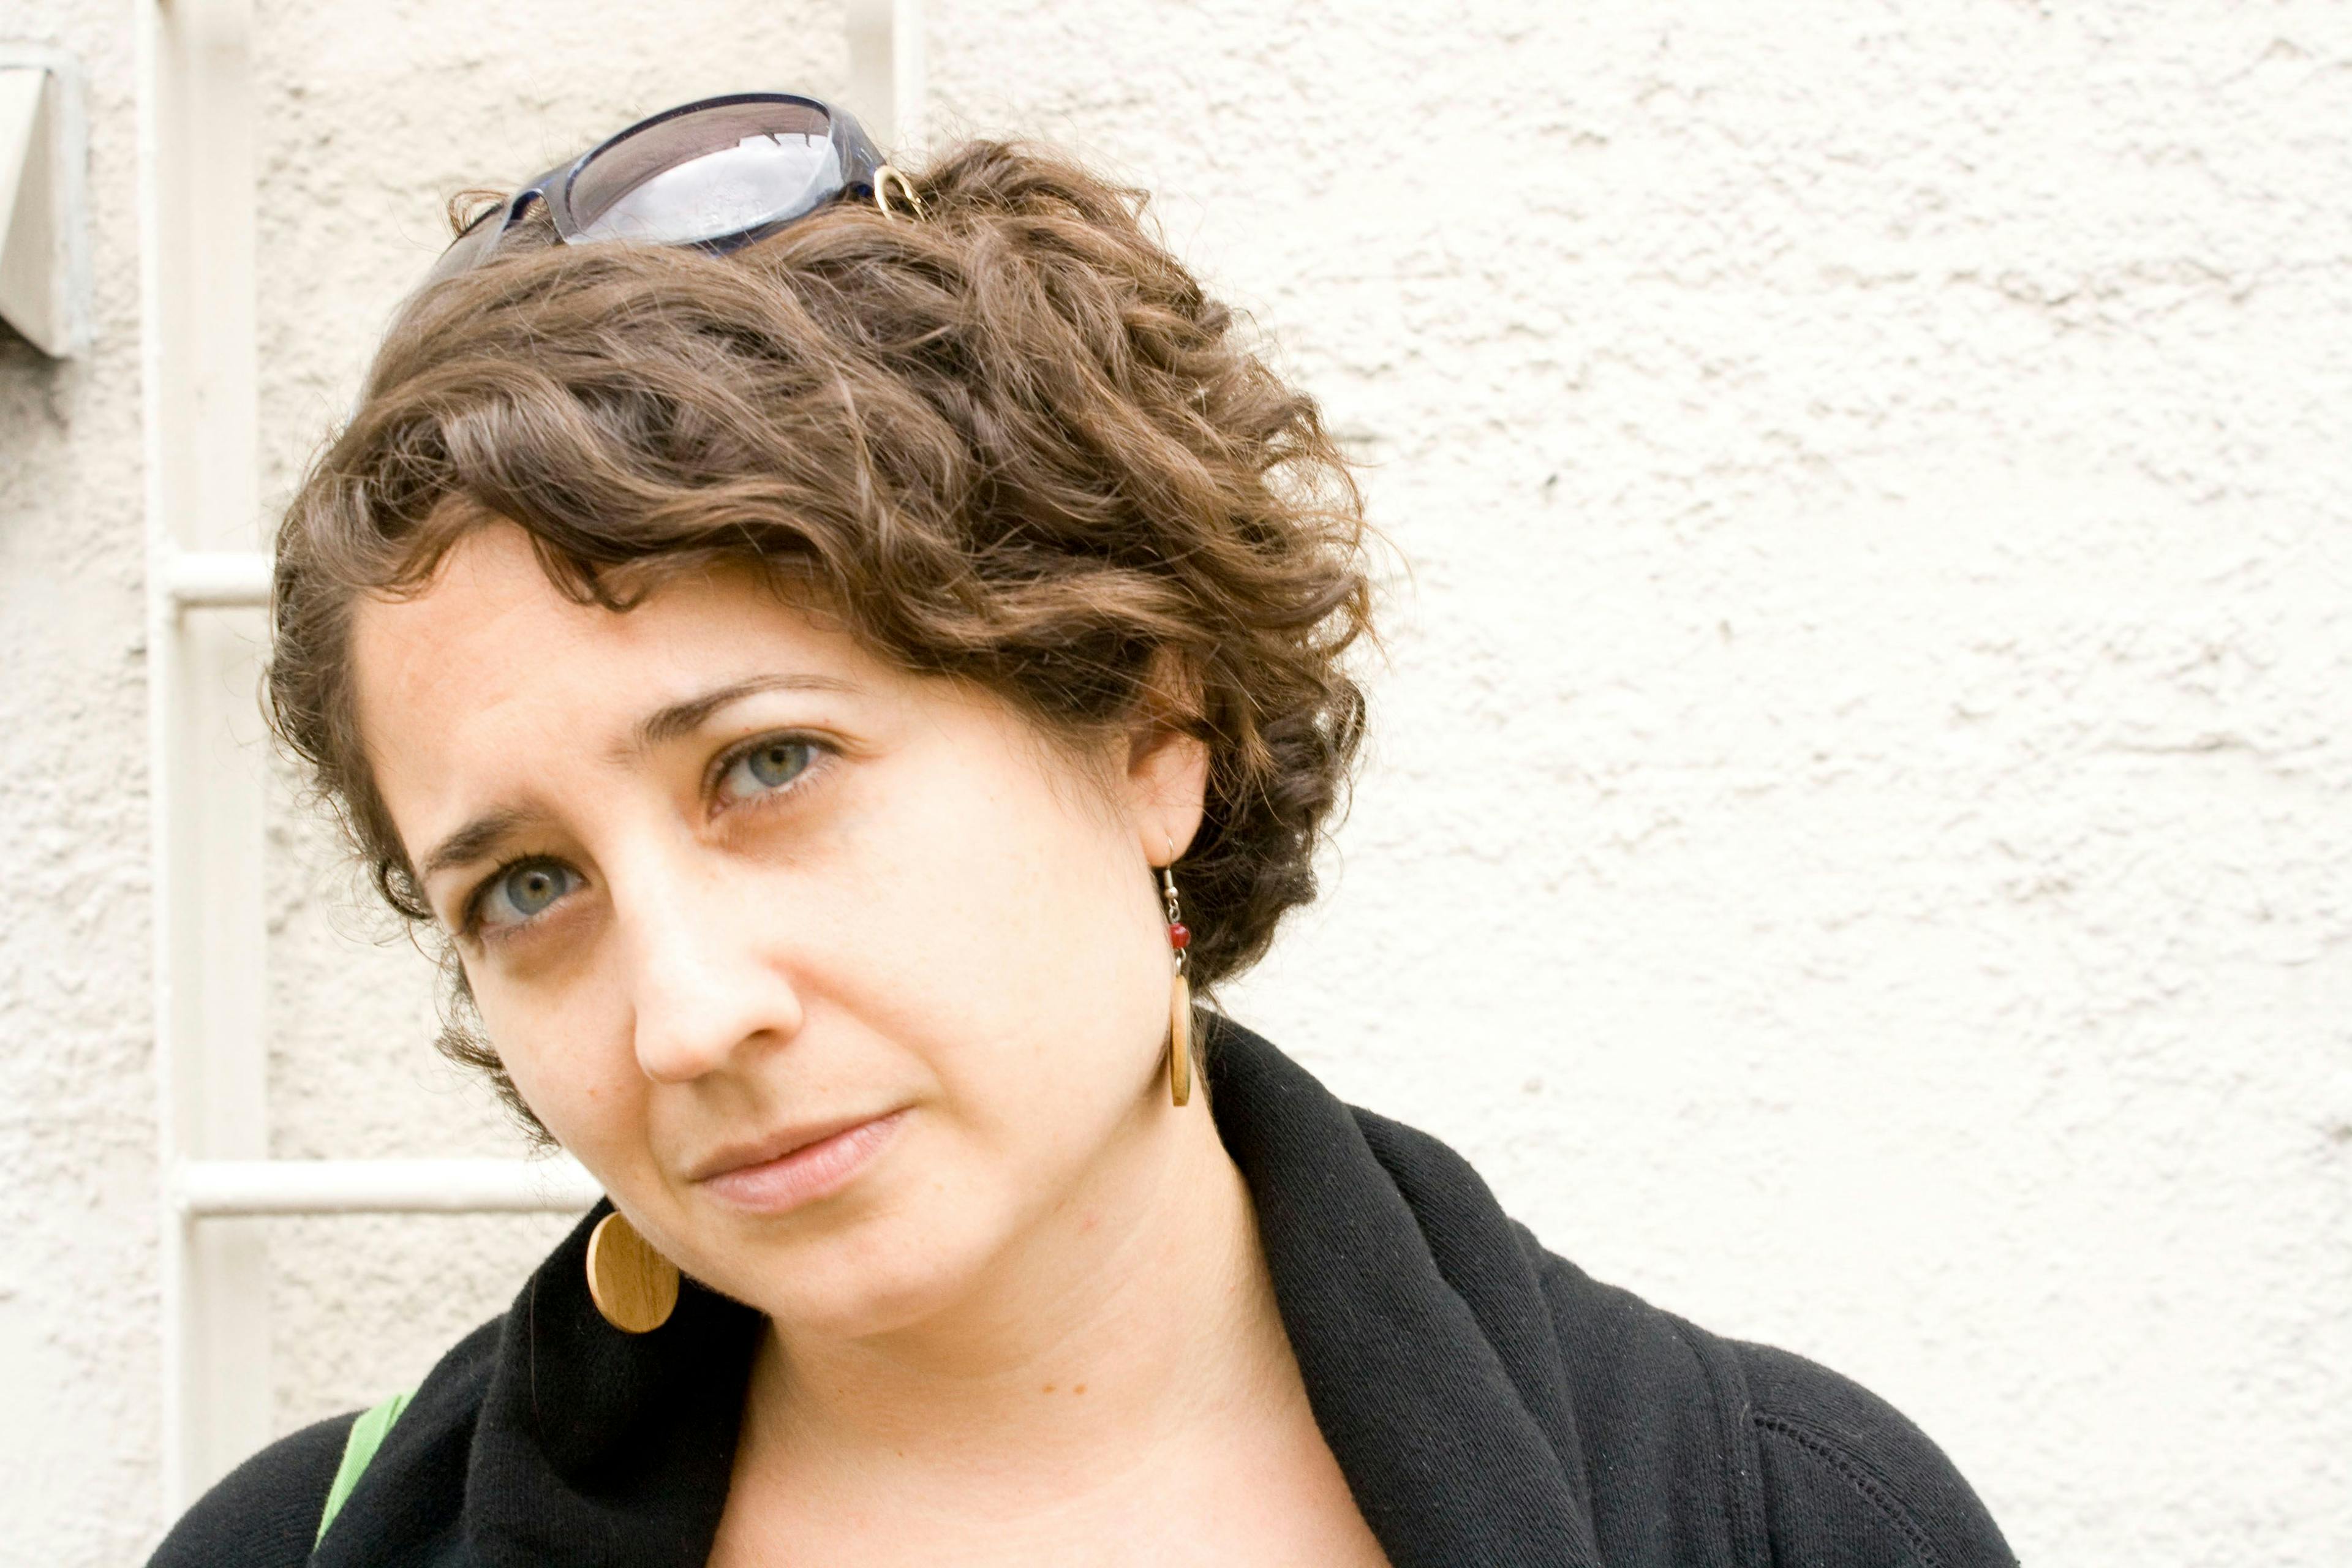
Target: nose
point(708, 977)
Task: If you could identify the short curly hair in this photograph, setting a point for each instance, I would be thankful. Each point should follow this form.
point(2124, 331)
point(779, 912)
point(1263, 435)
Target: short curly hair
point(1013, 441)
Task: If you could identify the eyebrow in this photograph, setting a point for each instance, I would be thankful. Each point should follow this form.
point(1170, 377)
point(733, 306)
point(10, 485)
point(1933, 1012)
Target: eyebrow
point(682, 718)
point(479, 836)
point(472, 842)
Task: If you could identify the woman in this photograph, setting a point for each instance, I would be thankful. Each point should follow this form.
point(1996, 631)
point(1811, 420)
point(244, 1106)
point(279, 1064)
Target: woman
point(838, 672)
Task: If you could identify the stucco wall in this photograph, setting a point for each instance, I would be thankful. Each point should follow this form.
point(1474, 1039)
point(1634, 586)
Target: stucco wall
point(1856, 847)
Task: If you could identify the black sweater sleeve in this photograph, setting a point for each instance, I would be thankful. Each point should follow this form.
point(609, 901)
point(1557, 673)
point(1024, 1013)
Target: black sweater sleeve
point(1847, 1480)
point(265, 1513)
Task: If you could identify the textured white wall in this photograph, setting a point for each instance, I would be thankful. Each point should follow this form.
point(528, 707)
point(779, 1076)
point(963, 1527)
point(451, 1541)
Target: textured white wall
point(1856, 843)
point(78, 1364)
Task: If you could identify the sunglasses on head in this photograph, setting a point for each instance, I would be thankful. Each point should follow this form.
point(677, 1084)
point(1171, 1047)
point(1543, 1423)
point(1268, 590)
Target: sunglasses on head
point(717, 174)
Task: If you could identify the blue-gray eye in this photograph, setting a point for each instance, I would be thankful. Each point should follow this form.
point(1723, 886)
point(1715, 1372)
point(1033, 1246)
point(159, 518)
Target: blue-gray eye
point(521, 891)
point(770, 765)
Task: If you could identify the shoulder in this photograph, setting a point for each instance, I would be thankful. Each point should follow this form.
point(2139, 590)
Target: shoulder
point(1831, 1475)
point(264, 1513)
point(1678, 1445)
point(1815, 1468)
point(1847, 1478)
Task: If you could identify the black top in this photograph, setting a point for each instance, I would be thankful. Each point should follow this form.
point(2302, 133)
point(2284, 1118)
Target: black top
point(1488, 1403)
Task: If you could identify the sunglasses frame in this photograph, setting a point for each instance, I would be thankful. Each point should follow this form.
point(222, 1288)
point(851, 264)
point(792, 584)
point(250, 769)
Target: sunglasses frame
point(864, 173)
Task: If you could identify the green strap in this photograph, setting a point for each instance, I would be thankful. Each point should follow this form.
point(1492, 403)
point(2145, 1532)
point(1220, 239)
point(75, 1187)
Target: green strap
point(365, 1438)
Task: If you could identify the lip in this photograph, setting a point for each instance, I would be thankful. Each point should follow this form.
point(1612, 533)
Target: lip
point(799, 1166)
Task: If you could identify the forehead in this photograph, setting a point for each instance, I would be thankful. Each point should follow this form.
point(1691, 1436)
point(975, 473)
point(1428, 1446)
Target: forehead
point(492, 621)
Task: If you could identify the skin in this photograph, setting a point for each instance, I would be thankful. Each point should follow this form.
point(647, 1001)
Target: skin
point(1032, 1320)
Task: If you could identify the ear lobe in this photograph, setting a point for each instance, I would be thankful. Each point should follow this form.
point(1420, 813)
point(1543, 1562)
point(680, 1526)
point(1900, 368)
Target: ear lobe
point(1167, 786)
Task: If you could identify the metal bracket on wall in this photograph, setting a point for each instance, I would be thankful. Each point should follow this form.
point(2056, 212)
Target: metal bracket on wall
point(44, 235)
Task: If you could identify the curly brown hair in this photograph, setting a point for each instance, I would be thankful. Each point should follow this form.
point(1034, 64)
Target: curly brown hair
point(1013, 441)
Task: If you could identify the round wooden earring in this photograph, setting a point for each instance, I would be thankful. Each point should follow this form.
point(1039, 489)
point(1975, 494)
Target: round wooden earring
point(632, 1286)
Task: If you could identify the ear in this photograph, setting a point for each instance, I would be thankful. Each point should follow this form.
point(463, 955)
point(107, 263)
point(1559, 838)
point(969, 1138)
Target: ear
point(1167, 780)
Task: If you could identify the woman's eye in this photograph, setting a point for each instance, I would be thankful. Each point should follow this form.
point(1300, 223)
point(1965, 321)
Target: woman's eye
point(522, 890)
point(765, 768)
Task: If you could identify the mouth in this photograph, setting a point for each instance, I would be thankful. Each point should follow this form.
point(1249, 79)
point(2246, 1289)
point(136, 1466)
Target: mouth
point(797, 1166)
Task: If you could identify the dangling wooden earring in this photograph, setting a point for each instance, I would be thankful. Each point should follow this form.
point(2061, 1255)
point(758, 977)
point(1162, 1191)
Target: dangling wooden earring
point(632, 1286)
point(1180, 996)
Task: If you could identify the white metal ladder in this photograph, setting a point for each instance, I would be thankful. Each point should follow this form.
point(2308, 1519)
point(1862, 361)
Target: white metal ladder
point(207, 584)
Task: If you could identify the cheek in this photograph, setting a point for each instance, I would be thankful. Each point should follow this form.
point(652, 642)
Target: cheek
point(572, 1064)
point(1040, 976)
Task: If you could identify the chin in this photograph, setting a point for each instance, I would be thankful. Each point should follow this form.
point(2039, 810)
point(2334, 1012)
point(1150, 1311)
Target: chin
point(884, 1270)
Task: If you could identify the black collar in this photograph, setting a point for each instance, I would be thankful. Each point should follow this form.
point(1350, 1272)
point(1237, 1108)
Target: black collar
point(1428, 1351)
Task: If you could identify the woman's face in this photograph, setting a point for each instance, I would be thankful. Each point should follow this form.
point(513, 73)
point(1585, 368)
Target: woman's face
point(838, 978)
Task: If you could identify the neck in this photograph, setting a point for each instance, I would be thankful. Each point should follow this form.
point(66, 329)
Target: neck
point(1137, 1308)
